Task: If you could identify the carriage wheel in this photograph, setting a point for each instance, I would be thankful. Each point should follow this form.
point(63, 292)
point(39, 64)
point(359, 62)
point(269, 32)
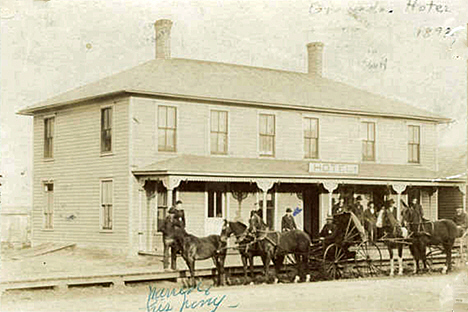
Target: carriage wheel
point(368, 259)
point(431, 252)
point(334, 261)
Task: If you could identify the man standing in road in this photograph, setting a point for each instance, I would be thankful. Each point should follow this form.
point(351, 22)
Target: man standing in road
point(461, 220)
point(287, 222)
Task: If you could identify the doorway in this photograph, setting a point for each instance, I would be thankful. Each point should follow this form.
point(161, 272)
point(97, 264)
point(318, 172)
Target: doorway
point(311, 211)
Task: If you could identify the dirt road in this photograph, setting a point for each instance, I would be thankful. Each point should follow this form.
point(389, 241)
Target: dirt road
point(409, 293)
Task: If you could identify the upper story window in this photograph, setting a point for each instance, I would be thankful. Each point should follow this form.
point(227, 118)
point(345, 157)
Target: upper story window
point(368, 142)
point(413, 144)
point(49, 125)
point(107, 199)
point(267, 135)
point(311, 126)
point(106, 130)
point(219, 132)
point(167, 127)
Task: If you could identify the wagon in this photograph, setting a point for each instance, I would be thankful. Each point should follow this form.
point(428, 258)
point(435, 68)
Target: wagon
point(348, 252)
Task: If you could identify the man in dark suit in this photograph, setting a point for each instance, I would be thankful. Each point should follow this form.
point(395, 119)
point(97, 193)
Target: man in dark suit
point(358, 209)
point(418, 208)
point(370, 220)
point(287, 222)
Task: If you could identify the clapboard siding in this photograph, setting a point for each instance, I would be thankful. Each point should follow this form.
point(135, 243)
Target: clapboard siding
point(337, 144)
point(76, 171)
point(450, 198)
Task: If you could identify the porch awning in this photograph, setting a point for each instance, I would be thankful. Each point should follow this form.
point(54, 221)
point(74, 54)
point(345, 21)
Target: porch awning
point(219, 166)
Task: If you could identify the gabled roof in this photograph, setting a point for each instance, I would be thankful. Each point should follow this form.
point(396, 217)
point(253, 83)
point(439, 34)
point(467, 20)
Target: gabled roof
point(205, 80)
point(254, 167)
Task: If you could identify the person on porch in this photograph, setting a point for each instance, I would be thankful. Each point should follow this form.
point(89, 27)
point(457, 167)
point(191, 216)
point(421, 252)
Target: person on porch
point(171, 247)
point(287, 222)
point(370, 220)
point(179, 214)
point(461, 220)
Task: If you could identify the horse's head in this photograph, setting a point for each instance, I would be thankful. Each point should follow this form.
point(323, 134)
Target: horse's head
point(174, 234)
point(410, 218)
point(256, 223)
point(226, 231)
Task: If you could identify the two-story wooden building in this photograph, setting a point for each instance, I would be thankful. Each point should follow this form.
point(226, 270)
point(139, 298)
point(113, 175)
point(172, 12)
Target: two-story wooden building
point(110, 157)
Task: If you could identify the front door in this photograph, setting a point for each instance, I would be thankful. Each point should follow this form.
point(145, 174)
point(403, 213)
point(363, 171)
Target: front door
point(311, 211)
point(215, 212)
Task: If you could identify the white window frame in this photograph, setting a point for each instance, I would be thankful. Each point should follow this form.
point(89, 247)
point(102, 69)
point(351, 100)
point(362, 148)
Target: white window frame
point(177, 124)
point(318, 137)
point(44, 182)
point(408, 142)
point(228, 135)
point(113, 136)
point(101, 210)
point(270, 113)
point(223, 203)
point(376, 140)
point(54, 116)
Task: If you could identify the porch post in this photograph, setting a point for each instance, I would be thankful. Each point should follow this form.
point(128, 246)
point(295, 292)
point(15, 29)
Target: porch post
point(141, 190)
point(399, 188)
point(264, 185)
point(330, 186)
point(170, 183)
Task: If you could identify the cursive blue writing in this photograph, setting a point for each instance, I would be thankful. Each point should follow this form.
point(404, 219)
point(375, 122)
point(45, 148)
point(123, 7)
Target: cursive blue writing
point(159, 299)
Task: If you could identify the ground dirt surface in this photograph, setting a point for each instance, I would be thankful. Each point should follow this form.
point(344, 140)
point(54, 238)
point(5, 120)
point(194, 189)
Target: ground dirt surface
point(428, 292)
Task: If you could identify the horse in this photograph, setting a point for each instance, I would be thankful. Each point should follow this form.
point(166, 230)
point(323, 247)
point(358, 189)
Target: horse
point(431, 233)
point(275, 246)
point(393, 236)
point(248, 249)
point(200, 248)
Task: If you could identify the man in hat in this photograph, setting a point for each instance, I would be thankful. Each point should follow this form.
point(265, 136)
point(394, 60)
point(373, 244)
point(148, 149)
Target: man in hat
point(461, 220)
point(340, 206)
point(418, 208)
point(170, 222)
point(358, 209)
point(329, 228)
point(179, 214)
point(287, 222)
point(370, 220)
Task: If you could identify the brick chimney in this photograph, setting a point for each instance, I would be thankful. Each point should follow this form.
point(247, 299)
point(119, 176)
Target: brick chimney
point(163, 38)
point(314, 58)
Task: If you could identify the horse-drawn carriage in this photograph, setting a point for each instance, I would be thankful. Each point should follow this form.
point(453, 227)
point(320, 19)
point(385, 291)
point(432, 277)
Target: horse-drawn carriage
point(348, 251)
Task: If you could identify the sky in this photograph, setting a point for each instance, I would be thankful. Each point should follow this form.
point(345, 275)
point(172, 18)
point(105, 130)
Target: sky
point(411, 50)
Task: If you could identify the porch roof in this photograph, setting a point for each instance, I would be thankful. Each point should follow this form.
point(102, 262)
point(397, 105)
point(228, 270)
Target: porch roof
point(275, 168)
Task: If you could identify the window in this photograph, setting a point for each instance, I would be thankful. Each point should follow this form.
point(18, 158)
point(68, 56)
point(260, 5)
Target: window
point(106, 204)
point(162, 206)
point(413, 144)
point(267, 135)
point(270, 216)
point(167, 128)
point(219, 132)
point(106, 130)
point(368, 142)
point(215, 204)
point(48, 205)
point(49, 124)
point(311, 137)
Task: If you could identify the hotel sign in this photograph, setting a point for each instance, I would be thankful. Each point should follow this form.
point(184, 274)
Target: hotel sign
point(333, 168)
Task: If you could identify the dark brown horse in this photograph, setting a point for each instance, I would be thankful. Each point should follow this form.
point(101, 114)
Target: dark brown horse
point(200, 248)
point(247, 247)
point(275, 246)
point(430, 233)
